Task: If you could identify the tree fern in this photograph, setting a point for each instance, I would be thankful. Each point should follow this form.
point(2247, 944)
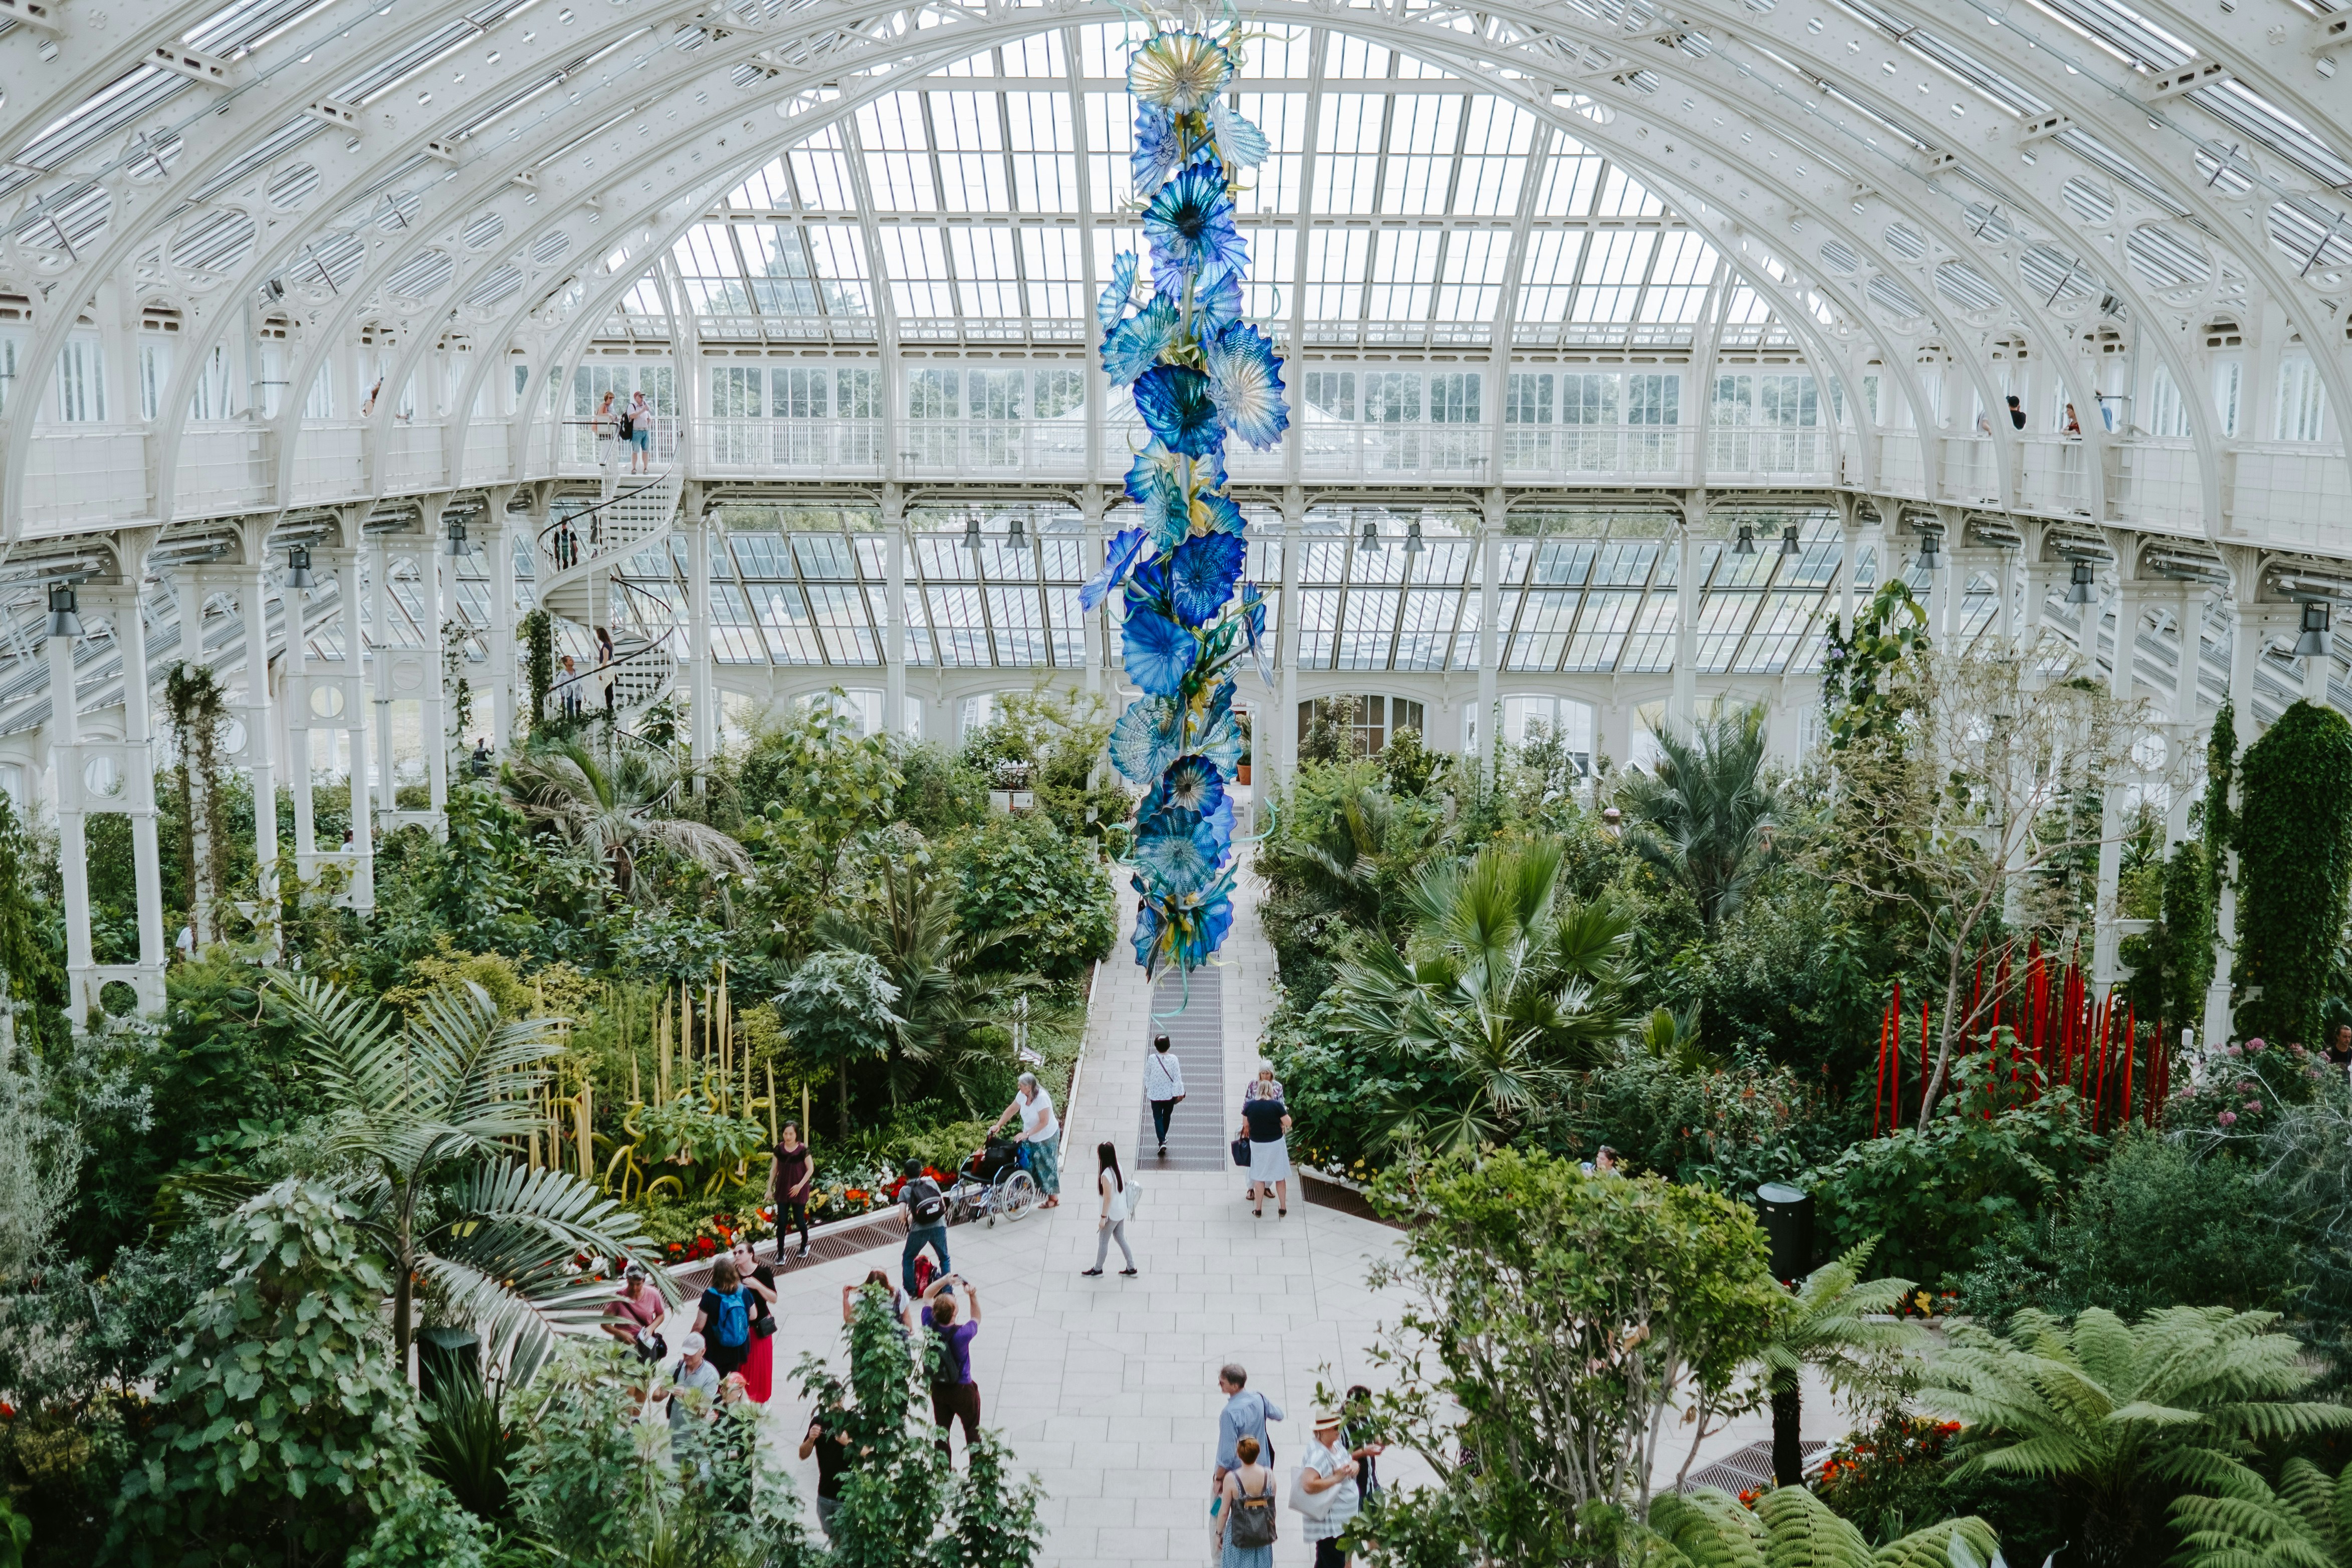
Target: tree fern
point(1933, 1547)
point(1801, 1533)
point(2124, 1417)
point(2305, 1523)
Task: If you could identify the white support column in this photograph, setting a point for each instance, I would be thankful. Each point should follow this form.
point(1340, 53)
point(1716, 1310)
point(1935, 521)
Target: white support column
point(299, 762)
point(2105, 960)
point(260, 721)
point(2317, 668)
point(1294, 538)
point(704, 695)
point(1849, 557)
point(1093, 502)
point(894, 616)
point(379, 635)
point(188, 593)
point(354, 712)
point(1490, 638)
point(433, 566)
point(2183, 604)
point(2007, 570)
point(1684, 708)
point(73, 852)
point(498, 542)
point(139, 733)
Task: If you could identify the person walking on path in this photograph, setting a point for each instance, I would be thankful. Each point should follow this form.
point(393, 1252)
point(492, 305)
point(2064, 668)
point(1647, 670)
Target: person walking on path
point(693, 1374)
point(759, 1369)
point(1265, 1121)
point(1245, 1416)
point(1246, 1528)
point(641, 433)
point(792, 1174)
point(1327, 1475)
point(828, 1438)
point(723, 1317)
point(925, 1210)
point(1164, 1085)
point(1264, 1086)
point(1040, 1133)
point(1118, 1205)
point(955, 1397)
point(638, 1307)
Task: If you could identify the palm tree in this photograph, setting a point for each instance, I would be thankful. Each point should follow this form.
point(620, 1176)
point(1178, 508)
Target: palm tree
point(1503, 989)
point(1708, 808)
point(1791, 1528)
point(423, 1150)
point(1366, 847)
point(1830, 1326)
point(947, 988)
point(2122, 1417)
point(614, 801)
point(2305, 1523)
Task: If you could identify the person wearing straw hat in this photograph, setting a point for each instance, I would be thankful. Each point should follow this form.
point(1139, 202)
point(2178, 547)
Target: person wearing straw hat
point(1324, 1490)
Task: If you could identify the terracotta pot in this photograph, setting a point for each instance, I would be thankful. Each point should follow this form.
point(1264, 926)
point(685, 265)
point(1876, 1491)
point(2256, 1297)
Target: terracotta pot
point(1240, 775)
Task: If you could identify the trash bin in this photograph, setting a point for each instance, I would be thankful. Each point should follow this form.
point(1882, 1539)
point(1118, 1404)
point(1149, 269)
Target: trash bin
point(1787, 1215)
point(447, 1356)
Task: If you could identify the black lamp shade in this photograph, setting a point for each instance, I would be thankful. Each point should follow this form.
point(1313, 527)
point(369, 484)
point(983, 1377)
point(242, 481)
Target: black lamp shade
point(1413, 538)
point(298, 568)
point(1370, 543)
point(2314, 643)
point(458, 545)
point(2078, 586)
point(1789, 544)
point(64, 621)
point(1746, 543)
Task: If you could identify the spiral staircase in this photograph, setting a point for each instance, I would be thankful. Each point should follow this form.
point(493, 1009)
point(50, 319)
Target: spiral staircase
point(569, 553)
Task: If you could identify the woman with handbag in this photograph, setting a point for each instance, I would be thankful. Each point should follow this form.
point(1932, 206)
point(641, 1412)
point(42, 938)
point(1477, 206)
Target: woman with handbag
point(760, 1370)
point(1246, 1520)
point(1324, 1490)
point(1267, 1124)
point(1118, 1205)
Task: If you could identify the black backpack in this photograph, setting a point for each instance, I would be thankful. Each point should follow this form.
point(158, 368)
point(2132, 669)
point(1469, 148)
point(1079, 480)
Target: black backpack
point(624, 425)
point(1253, 1520)
point(931, 1207)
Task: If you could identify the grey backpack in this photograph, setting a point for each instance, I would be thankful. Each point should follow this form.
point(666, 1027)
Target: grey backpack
point(1253, 1520)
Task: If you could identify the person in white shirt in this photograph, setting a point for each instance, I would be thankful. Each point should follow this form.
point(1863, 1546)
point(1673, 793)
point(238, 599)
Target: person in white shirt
point(641, 433)
point(1330, 1500)
point(1040, 1132)
point(1118, 1209)
point(1164, 1085)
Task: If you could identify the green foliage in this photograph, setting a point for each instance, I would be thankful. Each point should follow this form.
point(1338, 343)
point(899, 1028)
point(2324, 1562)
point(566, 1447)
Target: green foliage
point(2173, 962)
point(941, 793)
point(28, 960)
point(1790, 1527)
point(688, 1138)
point(470, 1446)
point(1558, 1311)
point(1338, 859)
point(2116, 1419)
point(809, 785)
point(1797, 975)
point(2305, 1183)
point(1045, 890)
point(1407, 765)
point(426, 1114)
point(1052, 743)
point(2150, 1227)
point(901, 1493)
point(539, 642)
point(287, 1424)
point(2221, 825)
point(1863, 675)
point(1935, 1193)
point(836, 1006)
point(1505, 988)
point(1727, 1127)
point(1708, 809)
point(1889, 1476)
point(2305, 1523)
point(197, 709)
point(2293, 837)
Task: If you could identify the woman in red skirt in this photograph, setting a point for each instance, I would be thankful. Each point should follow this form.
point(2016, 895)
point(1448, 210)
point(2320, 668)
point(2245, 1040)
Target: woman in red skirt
point(760, 1370)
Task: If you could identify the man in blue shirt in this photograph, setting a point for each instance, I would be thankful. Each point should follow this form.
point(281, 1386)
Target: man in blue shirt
point(1245, 1416)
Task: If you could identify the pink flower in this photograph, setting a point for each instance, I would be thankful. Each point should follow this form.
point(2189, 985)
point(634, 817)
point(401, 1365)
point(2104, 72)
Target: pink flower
point(2255, 1045)
point(2228, 1118)
point(2235, 1051)
point(2254, 1105)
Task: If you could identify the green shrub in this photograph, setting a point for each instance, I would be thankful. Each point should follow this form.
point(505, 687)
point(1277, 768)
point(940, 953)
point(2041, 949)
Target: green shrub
point(2294, 871)
point(2149, 1226)
point(1023, 873)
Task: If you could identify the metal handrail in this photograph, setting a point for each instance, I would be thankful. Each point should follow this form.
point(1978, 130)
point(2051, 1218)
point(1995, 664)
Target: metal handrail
point(569, 518)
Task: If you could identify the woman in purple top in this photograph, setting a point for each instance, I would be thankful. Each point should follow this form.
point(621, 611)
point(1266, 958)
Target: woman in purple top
point(954, 1321)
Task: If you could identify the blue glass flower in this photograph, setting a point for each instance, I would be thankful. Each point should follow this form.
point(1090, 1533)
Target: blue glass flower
point(1155, 482)
point(1148, 736)
point(1146, 586)
point(1245, 383)
point(1158, 150)
point(1243, 144)
point(1182, 929)
point(1217, 515)
point(1135, 345)
point(1193, 785)
point(1209, 729)
point(1116, 293)
point(1216, 306)
point(1158, 654)
point(1254, 629)
point(1176, 407)
point(1202, 575)
point(1180, 852)
point(1118, 555)
point(1191, 224)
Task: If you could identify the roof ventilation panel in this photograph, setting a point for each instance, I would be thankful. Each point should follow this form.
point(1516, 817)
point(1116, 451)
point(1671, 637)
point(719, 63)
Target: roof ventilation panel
point(193, 64)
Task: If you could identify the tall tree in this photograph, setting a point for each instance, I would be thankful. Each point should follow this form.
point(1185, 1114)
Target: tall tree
point(613, 799)
point(1707, 808)
point(838, 1010)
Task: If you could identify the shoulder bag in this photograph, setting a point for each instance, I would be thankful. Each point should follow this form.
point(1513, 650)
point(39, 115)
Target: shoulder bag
point(1314, 1507)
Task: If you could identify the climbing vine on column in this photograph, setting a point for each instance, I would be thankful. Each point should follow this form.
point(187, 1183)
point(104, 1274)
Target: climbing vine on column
point(539, 643)
point(196, 708)
point(2294, 835)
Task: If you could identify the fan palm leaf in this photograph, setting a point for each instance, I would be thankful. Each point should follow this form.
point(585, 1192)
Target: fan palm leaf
point(1707, 807)
point(2122, 1415)
point(612, 801)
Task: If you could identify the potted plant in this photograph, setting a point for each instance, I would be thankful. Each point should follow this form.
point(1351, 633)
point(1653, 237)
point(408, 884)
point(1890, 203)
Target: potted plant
point(1241, 773)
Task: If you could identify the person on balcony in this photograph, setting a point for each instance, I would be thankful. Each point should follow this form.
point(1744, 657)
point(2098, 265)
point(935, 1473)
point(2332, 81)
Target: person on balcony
point(604, 666)
point(603, 421)
point(641, 433)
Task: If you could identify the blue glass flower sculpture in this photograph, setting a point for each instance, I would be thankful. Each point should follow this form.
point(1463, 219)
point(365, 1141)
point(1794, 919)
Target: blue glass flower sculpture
point(1201, 375)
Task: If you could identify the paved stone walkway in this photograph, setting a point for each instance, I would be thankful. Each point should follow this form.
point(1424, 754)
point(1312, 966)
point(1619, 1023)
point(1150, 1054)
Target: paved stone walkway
point(1106, 1388)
